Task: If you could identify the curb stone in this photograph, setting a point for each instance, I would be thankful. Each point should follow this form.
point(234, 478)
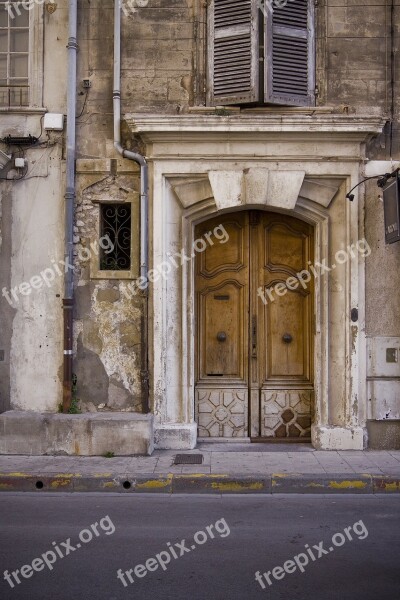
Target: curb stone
point(199, 483)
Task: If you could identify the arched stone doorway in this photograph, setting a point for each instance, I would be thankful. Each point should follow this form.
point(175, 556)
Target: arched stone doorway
point(185, 201)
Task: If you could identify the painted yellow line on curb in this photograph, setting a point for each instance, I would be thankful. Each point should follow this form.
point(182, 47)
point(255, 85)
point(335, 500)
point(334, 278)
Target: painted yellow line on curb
point(200, 476)
point(155, 483)
point(235, 486)
point(393, 486)
point(347, 485)
point(60, 482)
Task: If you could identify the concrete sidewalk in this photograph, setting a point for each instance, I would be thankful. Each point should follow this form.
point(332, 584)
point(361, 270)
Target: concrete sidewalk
point(226, 468)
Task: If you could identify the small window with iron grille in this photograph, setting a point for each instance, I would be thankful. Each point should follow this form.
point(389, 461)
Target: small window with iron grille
point(14, 54)
point(116, 226)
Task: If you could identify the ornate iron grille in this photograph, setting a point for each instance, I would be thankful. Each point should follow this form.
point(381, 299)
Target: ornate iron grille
point(116, 225)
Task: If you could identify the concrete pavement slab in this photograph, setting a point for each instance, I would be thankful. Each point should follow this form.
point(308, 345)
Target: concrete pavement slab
point(225, 468)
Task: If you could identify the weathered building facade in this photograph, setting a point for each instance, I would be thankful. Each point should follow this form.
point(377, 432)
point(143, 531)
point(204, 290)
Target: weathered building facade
point(272, 308)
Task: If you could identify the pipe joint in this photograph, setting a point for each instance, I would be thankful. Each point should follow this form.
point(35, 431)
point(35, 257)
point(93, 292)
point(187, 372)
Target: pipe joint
point(72, 44)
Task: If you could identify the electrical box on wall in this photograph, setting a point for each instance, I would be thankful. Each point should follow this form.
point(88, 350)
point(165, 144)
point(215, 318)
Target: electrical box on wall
point(391, 209)
point(53, 122)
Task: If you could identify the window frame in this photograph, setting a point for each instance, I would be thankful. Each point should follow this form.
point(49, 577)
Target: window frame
point(133, 272)
point(35, 62)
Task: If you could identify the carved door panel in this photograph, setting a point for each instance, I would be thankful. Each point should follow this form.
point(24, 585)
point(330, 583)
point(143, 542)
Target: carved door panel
point(222, 294)
point(254, 339)
point(283, 367)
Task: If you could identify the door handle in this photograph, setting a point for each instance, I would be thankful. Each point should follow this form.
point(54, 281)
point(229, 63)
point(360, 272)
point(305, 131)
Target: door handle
point(254, 337)
point(287, 338)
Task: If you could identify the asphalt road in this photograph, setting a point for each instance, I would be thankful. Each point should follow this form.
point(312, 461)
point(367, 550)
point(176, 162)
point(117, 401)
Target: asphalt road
point(208, 547)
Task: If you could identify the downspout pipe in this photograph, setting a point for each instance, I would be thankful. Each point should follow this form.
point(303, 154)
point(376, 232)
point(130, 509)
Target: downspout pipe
point(138, 158)
point(70, 204)
point(144, 195)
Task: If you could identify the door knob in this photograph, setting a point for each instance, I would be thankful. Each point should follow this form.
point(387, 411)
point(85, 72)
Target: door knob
point(287, 338)
point(221, 336)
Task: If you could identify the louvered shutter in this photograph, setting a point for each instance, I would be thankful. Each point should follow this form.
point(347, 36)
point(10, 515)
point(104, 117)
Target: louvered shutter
point(233, 51)
point(289, 54)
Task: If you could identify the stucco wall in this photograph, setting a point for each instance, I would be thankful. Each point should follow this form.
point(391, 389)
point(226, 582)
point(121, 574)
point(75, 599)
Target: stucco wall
point(382, 272)
point(32, 231)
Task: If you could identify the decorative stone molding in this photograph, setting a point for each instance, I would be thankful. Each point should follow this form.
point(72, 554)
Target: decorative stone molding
point(228, 188)
point(255, 186)
point(321, 191)
point(190, 190)
point(160, 126)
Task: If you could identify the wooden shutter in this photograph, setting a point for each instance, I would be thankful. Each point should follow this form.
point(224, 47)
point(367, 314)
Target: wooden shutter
point(289, 54)
point(233, 51)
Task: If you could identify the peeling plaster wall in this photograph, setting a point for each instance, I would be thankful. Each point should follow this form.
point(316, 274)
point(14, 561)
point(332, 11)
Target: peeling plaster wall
point(33, 233)
point(36, 355)
point(108, 317)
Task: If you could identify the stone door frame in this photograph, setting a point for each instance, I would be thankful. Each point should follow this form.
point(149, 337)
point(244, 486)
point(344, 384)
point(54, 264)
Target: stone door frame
point(184, 197)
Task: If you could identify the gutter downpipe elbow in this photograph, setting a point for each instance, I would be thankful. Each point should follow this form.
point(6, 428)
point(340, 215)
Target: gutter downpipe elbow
point(144, 194)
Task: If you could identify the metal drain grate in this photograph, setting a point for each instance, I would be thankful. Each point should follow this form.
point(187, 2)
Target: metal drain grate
point(188, 459)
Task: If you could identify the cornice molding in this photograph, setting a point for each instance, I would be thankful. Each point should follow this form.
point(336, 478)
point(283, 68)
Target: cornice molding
point(155, 127)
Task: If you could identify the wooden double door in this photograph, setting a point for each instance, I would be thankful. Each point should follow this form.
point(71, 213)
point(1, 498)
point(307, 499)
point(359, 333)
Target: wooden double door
point(254, 321)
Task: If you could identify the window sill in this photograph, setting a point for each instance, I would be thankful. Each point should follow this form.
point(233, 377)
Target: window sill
point(121, 275)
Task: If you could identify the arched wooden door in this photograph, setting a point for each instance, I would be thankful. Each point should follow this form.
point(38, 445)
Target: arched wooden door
point(254, 320)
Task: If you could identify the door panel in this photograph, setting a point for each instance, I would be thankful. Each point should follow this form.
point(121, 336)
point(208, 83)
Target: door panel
point(221, 310)
point(287, 357)
point(221, 412)
point(222, 290)
point(222, 294)
point(254, 328)
point(286, 414)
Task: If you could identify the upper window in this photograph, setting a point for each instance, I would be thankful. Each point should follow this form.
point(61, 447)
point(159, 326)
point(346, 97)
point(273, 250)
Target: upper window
point(261, 52)
point(14, 54)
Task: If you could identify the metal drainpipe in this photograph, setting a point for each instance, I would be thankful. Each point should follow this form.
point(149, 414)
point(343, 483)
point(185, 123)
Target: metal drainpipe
point(70, 203)
point(144, 194)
